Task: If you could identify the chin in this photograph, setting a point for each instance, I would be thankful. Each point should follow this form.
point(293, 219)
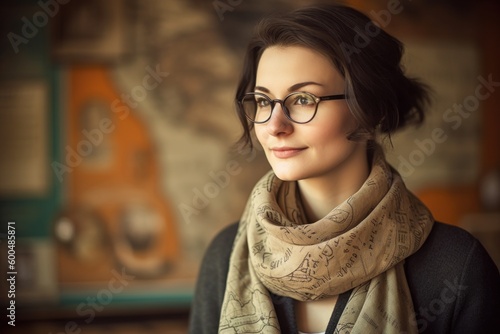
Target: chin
point(285, 178)
point(286, 175)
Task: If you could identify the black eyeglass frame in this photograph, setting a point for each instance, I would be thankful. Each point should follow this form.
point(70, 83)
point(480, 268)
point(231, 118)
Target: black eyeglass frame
point(272, 102)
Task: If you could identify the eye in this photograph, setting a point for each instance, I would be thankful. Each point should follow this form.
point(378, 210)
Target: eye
point(261, 102)
point(304, 100)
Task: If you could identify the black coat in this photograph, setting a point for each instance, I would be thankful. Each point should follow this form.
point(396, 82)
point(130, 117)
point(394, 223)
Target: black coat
point(454, 284)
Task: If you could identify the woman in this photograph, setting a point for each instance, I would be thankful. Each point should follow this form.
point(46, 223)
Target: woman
point(331, 240)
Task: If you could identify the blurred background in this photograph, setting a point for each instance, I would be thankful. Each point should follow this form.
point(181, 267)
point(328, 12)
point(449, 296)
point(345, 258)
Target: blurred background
point(117, 133)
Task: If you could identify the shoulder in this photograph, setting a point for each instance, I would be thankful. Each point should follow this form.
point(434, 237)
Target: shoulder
point(211, 283)
point(446, 245)
point(454, 282)
point(221, 246)
point(215, 262)
point(451, 250)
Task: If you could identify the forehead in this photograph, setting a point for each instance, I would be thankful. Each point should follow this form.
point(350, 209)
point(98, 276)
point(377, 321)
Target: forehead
point(288, 65)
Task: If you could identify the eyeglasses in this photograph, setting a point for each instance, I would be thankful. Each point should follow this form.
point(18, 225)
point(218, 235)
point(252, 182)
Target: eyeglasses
point(299, 107)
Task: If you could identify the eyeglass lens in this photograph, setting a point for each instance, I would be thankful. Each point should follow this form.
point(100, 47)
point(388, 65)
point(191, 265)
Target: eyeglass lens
point(300, 107)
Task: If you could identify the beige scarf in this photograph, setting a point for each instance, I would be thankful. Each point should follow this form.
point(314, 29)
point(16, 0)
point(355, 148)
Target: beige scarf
point(360, 244)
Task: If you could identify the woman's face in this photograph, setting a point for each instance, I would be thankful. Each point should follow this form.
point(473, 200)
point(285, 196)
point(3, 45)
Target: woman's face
point(316, 149)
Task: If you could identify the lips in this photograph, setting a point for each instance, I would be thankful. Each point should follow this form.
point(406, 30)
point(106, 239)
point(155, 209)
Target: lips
point(286, 152)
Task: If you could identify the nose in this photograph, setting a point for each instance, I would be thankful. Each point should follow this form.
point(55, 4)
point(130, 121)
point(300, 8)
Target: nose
point(279, 124)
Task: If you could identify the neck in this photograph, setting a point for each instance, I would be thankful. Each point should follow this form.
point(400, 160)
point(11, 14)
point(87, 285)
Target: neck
point(320, 195)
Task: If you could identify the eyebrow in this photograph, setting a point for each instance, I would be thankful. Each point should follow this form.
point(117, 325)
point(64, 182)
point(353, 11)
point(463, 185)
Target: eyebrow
point(292, 88)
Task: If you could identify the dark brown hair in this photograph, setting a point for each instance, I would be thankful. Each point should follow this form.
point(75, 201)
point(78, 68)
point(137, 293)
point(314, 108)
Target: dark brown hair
point(380, 96)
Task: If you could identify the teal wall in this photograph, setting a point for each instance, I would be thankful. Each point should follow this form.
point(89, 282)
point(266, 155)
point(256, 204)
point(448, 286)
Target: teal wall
point(33, 214)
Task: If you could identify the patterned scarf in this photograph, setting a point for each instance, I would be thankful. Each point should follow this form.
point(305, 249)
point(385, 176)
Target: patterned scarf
point(360, 244)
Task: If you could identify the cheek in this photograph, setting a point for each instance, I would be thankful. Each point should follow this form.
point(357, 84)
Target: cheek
point(333, 129)
point(259, 134)
point(326, 138)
